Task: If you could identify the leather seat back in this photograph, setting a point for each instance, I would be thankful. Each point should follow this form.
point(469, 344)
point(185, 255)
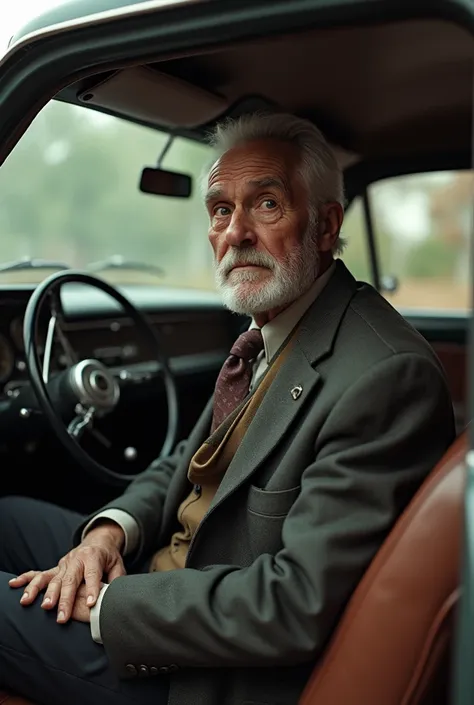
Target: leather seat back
point(395, 633)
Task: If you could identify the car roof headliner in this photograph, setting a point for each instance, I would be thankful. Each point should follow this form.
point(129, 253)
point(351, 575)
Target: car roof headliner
point(376, 90)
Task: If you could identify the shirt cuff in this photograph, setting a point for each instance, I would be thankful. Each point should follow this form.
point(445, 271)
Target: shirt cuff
point(126, 522)
point(95, 616)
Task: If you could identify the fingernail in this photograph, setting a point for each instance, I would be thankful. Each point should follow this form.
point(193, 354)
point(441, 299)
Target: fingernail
point(46, 601)
point(24, 597)
point(12, 580)
point(90, 600)
point(60, 616)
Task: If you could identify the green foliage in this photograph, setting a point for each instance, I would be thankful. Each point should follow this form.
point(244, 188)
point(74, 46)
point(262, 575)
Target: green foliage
point(432, 259)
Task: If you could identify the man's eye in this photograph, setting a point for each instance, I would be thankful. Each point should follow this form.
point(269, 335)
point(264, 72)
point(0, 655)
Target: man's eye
point(222, 211)
point(269, 204)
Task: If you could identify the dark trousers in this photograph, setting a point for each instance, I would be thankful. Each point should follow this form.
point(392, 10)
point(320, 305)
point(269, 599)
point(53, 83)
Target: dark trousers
point(49, 663)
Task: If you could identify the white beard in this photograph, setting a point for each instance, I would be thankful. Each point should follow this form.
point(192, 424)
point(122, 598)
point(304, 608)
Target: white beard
point(243, 292)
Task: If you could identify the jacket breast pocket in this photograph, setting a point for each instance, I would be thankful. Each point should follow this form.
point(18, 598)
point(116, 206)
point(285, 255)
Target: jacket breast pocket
point(274, 503)
point(266, 513)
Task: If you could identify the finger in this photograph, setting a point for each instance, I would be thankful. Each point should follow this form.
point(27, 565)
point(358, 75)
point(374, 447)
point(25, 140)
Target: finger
point(51, 596)
point(116, 571)
point(38, 583)
point(23, 579)
point(93, 573)
point(70, 582)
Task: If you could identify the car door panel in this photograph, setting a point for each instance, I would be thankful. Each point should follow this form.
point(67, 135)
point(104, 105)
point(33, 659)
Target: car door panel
point(448, 336)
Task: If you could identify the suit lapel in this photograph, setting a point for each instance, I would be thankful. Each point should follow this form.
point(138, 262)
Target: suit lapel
point(319, 326)
point(268, 427)
point(296, 382)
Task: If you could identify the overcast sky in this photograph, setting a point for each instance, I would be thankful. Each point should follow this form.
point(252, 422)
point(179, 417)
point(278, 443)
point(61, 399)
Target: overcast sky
point(16, 13)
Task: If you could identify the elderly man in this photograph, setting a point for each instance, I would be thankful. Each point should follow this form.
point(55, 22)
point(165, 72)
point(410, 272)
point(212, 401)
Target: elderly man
point(219, 575)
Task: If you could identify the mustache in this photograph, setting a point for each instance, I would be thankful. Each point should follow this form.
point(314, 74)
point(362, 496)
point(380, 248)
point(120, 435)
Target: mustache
point(237, 257)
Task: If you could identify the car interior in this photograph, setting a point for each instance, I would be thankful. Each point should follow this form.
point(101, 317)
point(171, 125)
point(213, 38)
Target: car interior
point(394, 98)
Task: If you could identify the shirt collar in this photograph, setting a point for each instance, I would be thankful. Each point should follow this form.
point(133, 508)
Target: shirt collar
point(276, 331)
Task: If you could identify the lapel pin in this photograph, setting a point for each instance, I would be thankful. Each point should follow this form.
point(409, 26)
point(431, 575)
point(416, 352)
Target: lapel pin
point(296, 392)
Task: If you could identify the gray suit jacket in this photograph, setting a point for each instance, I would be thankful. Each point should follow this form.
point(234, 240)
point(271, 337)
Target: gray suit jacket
point(306, 502)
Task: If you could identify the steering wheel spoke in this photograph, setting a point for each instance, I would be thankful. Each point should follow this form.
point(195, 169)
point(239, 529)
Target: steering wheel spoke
point(99, 436)
point(55, 329)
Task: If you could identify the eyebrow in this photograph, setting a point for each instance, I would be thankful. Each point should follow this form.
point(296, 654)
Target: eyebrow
point(213, 194)
point(268, 182)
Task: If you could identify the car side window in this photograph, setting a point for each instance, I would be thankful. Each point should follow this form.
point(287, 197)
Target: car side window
point(422, 225)
point(356, 252)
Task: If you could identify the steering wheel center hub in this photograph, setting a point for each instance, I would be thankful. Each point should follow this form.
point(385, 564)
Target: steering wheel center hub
point(94, 385)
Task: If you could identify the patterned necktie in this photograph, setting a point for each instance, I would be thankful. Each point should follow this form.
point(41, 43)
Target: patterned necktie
point(234, 378)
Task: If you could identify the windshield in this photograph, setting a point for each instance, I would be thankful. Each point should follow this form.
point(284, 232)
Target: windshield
point(69, 193)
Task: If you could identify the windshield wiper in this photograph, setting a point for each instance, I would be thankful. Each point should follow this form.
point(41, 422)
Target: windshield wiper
point(119, 262)
point(28, 263)
point(114, 262)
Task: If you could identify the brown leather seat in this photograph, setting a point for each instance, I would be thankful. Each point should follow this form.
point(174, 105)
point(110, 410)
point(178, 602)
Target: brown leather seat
point(392, 645)
point(394, 636)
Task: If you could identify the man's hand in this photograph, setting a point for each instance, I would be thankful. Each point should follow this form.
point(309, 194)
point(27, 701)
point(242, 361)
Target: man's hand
point(81, 612)
point(97, 556)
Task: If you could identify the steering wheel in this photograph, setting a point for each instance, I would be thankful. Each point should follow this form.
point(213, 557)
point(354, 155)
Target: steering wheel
point(87, 388)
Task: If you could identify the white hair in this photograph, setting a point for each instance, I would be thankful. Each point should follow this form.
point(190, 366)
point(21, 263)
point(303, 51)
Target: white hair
point(319, 168)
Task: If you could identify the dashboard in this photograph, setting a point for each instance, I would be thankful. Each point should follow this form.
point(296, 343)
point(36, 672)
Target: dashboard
point(196, 334)
point(12, 353)
point(194, 329)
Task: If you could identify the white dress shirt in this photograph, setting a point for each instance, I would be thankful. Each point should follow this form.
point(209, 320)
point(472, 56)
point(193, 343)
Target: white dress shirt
point(274, 333)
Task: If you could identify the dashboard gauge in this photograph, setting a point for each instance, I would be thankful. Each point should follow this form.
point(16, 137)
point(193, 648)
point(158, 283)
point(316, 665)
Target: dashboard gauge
point(16, 332)
point(7, 359)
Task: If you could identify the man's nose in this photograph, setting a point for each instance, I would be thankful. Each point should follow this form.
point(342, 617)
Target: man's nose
point(239, 232)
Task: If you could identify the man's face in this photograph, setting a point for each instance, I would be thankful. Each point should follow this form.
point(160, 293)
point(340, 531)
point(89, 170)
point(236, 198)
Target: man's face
point(260, 229)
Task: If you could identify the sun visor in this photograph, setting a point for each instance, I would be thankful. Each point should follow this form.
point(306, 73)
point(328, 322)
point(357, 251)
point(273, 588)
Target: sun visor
point(144, 94)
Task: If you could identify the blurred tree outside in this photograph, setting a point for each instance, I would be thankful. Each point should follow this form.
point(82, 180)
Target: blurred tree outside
point(69, 192)
point(423, 226)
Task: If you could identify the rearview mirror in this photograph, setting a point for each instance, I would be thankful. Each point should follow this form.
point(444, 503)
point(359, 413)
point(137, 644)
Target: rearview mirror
point(165, 183)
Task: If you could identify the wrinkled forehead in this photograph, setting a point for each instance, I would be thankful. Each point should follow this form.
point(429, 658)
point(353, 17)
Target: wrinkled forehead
point(260, 163)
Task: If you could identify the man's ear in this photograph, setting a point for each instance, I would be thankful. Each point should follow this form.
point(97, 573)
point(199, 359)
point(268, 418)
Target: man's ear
point(331, 216)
